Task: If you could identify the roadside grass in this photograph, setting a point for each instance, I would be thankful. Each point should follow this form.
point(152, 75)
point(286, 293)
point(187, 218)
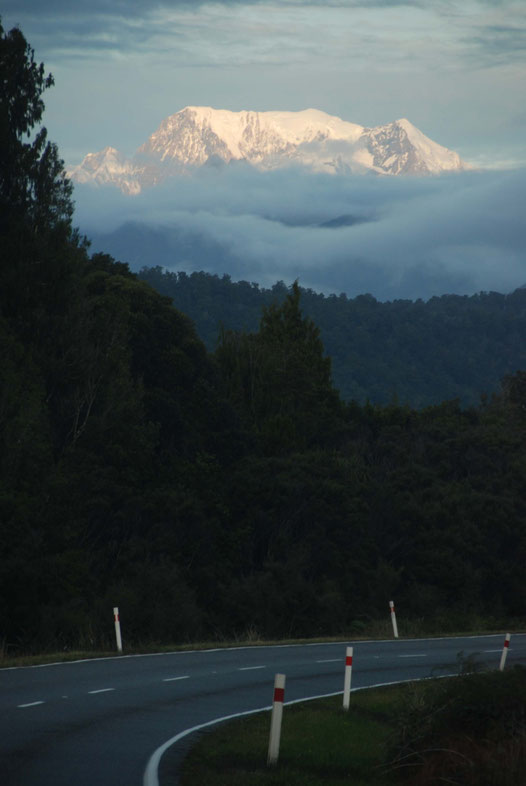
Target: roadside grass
point(19, 661)
point(468, 730)
point(320, 745)
point(473, 625)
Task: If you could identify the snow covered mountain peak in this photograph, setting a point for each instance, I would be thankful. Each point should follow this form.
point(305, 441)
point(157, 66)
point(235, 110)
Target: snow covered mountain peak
point(108, 167)
point(197, 135)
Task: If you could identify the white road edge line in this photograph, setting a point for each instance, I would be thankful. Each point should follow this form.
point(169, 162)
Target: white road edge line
point(330, 660)
point(174, 679)
point(252, 647)
point(151, 773)
point(251, 668)
point(101, 690)
point(31, 704)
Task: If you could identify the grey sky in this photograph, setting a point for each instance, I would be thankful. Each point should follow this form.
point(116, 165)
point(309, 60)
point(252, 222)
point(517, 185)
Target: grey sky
point(456, 69)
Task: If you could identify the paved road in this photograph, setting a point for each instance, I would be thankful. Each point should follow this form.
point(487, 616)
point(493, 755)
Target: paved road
point(99, 722)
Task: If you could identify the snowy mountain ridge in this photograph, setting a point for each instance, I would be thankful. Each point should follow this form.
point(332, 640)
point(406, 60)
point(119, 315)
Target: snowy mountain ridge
point(196, 136)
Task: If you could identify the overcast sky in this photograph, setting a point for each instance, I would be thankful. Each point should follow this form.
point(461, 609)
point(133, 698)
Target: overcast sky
point(455, 68)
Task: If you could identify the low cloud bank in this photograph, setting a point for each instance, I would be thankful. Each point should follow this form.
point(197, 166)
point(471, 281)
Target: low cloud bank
point(392, 237)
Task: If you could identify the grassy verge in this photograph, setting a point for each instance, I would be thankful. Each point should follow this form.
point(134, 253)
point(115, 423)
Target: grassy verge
point(321, 745)
point(374, 629)
point(469, 730)
point(64, 656)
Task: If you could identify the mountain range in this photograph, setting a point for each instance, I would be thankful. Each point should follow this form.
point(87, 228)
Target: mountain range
point(201, 136)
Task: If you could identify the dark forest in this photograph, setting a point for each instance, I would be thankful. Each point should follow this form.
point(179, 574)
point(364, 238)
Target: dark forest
point(208, 490)
point(414, 352)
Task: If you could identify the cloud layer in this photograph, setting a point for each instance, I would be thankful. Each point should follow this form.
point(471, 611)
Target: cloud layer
point(392, 237)
point(478, 33)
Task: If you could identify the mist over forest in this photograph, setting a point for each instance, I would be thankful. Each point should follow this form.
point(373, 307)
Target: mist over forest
point(392, 237)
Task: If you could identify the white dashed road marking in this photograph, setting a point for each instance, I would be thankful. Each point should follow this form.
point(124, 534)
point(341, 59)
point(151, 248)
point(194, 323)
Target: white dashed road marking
point(174, 679)
point(31, 704)
point(101, 690)
point(251, 668)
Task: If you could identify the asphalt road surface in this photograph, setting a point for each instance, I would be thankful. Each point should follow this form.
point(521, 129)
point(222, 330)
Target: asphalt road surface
point(102, 721)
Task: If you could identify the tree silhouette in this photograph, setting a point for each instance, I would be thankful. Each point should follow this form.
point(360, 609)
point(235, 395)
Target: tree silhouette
point(33, 187)
point(281, 379)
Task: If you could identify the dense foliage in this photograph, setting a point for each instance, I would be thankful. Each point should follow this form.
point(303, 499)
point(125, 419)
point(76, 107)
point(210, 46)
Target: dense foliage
point(418, 353)
point(469, 730)
point(205, 494)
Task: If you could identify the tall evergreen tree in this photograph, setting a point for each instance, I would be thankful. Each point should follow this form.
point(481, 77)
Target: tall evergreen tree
point(33, 185)
point(281, 379)
point(38, 248)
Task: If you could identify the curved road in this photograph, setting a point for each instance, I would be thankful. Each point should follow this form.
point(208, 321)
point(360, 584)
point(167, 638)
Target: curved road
point(100, 721)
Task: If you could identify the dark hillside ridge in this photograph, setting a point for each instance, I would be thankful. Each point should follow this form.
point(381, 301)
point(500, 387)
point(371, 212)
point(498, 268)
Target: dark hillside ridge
point(418, 353)
point(214, 495)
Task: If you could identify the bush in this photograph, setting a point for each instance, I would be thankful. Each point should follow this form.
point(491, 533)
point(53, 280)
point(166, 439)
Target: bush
point(469, 730)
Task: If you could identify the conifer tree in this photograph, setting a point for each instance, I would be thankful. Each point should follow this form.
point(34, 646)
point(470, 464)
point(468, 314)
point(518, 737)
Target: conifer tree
point(280, 379)
point(34, 191)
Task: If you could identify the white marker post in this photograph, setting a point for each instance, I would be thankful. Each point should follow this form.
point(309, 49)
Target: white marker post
point(504, 652)
point(393, 619)
point(117, 628)
point(347, 679)
point(275, 723)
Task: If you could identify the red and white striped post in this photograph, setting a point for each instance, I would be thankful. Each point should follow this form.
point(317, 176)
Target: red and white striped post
point(504, 652)
point(393, 619)
point(275, 722)
point(117, 628)
point(347, 679)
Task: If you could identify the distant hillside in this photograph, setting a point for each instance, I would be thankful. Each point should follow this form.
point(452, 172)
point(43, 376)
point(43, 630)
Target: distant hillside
point(420, 353)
